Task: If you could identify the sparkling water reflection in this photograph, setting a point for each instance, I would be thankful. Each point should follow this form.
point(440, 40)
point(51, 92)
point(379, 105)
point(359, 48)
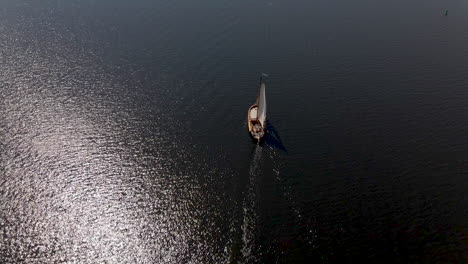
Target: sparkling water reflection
point(123, 138)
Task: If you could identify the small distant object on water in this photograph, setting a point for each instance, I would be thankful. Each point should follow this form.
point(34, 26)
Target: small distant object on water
point(446, 12)
point(256, 115)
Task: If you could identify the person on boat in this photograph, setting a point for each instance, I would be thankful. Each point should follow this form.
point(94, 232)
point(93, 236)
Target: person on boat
point(257, 127)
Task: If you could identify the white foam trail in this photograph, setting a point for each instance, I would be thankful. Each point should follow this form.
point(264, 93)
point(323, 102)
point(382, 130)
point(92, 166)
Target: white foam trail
point(250, 218)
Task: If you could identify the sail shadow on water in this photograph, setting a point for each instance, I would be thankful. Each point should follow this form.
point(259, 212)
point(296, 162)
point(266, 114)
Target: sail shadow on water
point(273, 139)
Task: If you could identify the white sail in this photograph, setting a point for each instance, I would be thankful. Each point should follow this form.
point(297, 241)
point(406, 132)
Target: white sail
point(262, 105)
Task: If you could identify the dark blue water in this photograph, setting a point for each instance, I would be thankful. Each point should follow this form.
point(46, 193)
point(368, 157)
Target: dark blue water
point(123, 132)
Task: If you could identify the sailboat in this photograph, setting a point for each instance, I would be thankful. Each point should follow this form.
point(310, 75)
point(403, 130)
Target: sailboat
point(256, 115)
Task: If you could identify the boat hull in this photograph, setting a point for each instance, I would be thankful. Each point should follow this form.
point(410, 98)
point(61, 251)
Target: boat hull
point(256, 128)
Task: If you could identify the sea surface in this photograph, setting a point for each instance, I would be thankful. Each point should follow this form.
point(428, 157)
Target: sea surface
point(123, 134)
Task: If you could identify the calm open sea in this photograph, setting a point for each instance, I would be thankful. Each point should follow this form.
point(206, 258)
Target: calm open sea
point(123, 132)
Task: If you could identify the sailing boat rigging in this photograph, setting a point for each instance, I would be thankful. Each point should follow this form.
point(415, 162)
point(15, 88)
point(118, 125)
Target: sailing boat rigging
point(257, 114)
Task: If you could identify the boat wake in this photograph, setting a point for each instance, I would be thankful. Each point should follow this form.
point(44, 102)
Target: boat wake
point(250, 207)
point(268, 162)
